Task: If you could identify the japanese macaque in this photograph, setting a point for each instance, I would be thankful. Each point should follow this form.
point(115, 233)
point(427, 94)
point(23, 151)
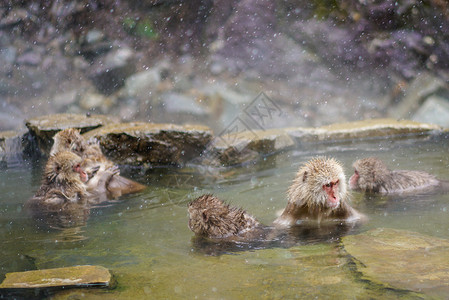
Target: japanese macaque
point(62, 192)
point(63, 179)
point(211, 218)
point(372, 175)
point(71, 140)
point(318, 193)
point(104, 178)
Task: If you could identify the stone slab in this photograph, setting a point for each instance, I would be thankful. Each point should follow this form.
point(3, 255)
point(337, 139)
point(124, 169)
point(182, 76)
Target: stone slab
point(78, 276)
point(402, 260)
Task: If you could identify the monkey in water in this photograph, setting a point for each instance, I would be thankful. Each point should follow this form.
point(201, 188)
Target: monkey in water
point(317, 194)
point(104, 176)
point(210, 217)
point(371, 175)
point(62, 196)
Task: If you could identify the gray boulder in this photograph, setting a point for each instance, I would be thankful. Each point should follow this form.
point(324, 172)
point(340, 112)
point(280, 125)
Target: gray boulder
point(142, 143)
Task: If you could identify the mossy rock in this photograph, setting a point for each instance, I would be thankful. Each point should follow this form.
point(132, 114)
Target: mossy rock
point(402, 259)
point(43, 282)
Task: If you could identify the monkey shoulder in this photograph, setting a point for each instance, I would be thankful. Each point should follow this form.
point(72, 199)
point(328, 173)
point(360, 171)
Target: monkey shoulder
point(407, 181)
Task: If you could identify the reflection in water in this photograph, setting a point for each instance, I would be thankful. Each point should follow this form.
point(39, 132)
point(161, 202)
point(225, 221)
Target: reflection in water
point(272, 237)
point(69, 235)
point(50, 217)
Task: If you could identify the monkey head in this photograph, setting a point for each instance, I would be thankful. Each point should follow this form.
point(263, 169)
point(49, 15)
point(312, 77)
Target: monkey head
point(68, 140)
point(64, 166)
point(320, 183)
point(211, 217)
point(369, 175)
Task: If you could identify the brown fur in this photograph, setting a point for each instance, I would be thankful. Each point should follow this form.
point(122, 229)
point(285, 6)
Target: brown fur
point(104, 176)
point(307, 200)
point(71, 140)
point(61, 184)
point(372, 175)
point(210, 217)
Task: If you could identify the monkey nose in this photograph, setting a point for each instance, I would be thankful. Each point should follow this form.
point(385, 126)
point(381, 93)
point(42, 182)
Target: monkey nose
point(333, 201)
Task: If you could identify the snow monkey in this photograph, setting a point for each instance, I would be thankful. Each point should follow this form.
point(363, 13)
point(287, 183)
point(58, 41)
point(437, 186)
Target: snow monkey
point(318, 193)
point(104, 176)
point(372, 175)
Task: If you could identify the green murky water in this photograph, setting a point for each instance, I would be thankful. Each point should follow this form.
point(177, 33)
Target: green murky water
point(144, 239)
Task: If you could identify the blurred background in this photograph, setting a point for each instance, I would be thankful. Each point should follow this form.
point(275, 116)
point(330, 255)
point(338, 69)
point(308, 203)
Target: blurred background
point(172, 61)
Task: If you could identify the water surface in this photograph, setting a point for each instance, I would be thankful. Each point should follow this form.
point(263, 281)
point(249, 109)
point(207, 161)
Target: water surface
point(144, 239)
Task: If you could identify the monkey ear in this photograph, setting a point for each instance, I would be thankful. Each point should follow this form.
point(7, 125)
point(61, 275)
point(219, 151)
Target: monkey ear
point(304, 176)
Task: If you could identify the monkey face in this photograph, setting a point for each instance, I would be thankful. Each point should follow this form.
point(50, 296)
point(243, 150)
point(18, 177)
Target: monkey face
point(77, 168)
point(332, 194)
point(65, 167)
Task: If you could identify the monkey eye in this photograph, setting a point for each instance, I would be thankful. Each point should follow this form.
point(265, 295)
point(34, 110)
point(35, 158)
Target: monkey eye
point(328, 185)
point(356, 172)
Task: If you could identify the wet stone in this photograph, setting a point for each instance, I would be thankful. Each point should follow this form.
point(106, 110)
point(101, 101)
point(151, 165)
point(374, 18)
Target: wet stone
point(402, 260)
point(141, 143)
point(42, 129)
point(11, 148)
point(78, 276)
point(237, 148)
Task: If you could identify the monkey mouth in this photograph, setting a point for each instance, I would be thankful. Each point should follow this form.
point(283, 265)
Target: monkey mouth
point(333, 203)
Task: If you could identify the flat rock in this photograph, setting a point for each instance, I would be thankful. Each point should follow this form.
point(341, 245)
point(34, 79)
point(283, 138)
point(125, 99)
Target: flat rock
point(141, 143)
point(78, 276)
point(373, 128)
point(42, 129)
point(402, 259)
point(239, 147)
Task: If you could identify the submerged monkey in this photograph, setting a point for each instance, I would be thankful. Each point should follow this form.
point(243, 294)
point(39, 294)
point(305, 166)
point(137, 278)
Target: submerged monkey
point(211, 217)
point(104, 176)
point(317, 194)
point(62, 197)
point(373, 176)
